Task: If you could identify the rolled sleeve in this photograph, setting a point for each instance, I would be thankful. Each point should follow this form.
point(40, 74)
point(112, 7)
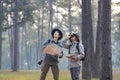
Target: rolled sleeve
point(66, 43)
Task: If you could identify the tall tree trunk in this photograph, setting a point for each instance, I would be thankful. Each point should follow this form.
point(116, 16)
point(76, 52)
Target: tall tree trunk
point(69, 16)
point(10, 34)
point(22, 49)
point(11, 38)
point(27, 48)
point(42, 38)
point(38, 42)
point(16, 38)
point(0, 46)
point(1, 13)
point(97, 63)
point(50, 18)
point(106, 68)
point(91, 38)
point(86, 25)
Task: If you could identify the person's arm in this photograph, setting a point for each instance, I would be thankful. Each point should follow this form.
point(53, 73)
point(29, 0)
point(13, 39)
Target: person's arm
point(60, 55)
point(43, 55)
point(66, 43)
point(82, 54)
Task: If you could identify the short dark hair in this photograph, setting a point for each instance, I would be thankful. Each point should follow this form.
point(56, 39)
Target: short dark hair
point(59, 31)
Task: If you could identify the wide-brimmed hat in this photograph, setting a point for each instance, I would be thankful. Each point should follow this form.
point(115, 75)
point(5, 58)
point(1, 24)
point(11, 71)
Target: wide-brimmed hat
point(75, 35)
point(60, 33)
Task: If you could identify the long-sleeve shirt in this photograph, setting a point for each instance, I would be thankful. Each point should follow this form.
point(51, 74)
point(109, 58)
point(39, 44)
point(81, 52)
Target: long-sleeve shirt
point(48, 58)
point(73, 50)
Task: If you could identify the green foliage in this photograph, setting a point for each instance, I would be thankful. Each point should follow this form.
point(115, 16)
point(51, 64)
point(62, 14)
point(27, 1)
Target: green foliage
point(25, 12)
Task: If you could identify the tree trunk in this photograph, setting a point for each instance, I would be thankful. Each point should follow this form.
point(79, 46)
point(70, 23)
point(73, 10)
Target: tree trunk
point(86, 25)
point(97, 63)
point(16, 38)
point(69, 17)
point(106, 68)
point(10, 34)
point(42, 38)
point(1, 13)
point(22, 48)
point(27, 47)
point(38, 42)
point(50, 18)
point(0, 46)
point(91, 38)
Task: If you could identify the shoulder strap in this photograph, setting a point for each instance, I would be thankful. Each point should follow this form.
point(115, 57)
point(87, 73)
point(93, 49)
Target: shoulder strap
point(77, 46)
point(48, 41)
point(69, 49)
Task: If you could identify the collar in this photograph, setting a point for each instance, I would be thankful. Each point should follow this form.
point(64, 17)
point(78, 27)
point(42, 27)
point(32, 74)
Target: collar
point(52, 40)
point(75, 42)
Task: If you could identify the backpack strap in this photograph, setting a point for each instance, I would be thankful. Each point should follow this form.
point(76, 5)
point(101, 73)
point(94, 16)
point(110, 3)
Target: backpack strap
point(49, 40)
point(69, 49)
point(77, 47)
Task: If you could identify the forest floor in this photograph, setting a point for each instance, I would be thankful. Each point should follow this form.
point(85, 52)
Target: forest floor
point(34, 75)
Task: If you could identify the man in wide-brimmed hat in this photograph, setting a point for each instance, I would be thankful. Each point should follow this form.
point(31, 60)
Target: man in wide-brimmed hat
point(50, 60)
point(76, 53)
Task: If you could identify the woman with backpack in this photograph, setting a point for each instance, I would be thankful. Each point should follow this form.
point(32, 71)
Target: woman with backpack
point(76, 54)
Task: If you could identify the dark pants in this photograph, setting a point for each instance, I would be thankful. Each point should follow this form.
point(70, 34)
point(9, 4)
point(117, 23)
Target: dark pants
point(75, 72)
point(45, 69)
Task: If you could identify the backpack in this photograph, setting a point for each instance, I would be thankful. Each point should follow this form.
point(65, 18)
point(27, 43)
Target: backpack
point(77, 47)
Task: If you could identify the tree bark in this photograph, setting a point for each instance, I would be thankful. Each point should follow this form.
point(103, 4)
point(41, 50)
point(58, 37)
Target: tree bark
point(27, 48)
point(1, 20)
point(42, 38)
point(86, 25)
point(38, 42)
point(0, 46)
point(91, 37)
point(16, 38)
point(50, 18)
point(69, 17)
point(106, 68)
point(10, 34)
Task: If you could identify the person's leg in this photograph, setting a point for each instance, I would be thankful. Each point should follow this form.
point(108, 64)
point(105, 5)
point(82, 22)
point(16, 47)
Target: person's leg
point(55, 71)
point(75, 72)
point(44, 71)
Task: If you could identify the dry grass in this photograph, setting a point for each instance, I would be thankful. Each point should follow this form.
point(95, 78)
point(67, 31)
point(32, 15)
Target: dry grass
point(116, 74)
point(34, 75)
point(30, 75)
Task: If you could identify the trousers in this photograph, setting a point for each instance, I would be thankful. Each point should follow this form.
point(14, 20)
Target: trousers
point(45, 69)
point(75, 72)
